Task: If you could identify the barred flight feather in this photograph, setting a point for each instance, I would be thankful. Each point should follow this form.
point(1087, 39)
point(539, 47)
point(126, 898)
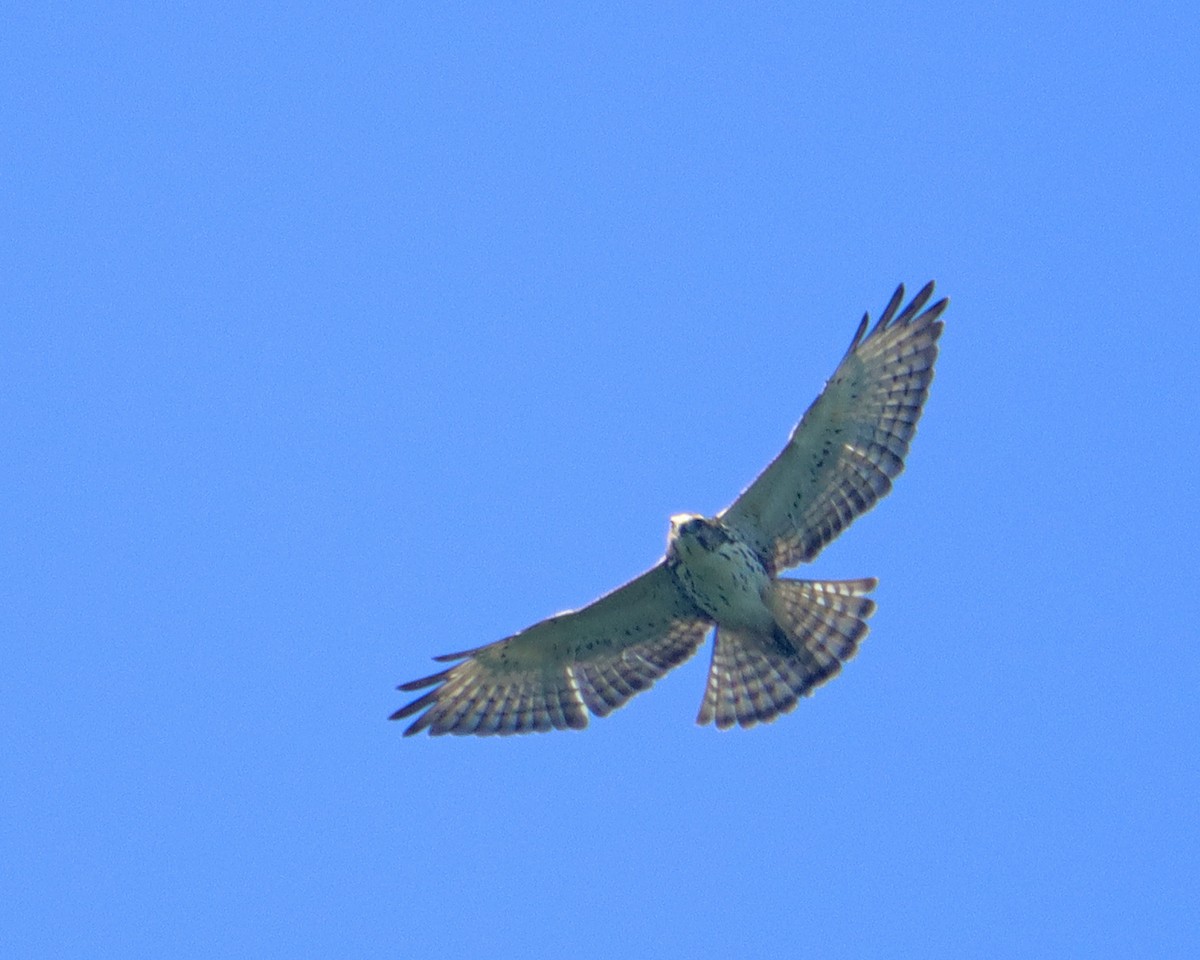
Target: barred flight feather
point(472, 698)
point(754, 679)
point(851, 443)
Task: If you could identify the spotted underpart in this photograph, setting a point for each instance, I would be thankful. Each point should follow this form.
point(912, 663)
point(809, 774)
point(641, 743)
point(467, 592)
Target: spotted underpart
point(719, 573)
point(776, 640)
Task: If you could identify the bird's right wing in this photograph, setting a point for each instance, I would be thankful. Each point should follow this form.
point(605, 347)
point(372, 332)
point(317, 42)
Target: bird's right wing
point(544, 677)
point(844, 454)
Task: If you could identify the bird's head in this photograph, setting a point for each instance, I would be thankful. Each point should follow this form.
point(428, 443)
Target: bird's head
point(691, 531)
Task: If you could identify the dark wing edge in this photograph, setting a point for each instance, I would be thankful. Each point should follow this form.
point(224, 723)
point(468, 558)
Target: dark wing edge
point(850, 445)
point(548, 676)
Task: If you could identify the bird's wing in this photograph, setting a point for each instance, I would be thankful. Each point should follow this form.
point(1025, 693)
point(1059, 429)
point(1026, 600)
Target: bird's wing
point(543, 677)
point(843, 455)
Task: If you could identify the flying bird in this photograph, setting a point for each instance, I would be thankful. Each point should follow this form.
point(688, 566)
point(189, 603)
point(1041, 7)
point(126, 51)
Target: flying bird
point(775, 639)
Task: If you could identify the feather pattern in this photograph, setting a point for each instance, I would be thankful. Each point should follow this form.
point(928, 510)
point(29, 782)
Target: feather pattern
point(851, 443)
point(551, 675)
point(755, 678)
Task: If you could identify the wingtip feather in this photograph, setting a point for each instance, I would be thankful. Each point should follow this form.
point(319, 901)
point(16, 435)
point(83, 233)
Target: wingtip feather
point(448, 657)
point(915, 305)
point(890, 310)
point(424, 682)
point(934, 312)
point(859, 334)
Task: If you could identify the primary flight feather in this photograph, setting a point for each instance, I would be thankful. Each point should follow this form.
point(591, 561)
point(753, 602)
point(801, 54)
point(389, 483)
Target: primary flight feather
point(775, 639)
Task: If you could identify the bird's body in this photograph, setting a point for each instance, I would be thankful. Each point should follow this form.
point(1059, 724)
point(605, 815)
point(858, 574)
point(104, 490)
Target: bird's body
point(775, 639)
point(719, 573)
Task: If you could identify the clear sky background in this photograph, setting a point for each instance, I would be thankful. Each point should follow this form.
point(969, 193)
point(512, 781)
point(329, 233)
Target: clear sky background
point(334, 338)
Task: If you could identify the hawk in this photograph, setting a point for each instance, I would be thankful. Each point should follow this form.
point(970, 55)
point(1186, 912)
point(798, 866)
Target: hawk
point(775, 639)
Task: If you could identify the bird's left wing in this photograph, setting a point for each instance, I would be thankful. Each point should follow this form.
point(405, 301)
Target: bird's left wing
point(851, 443)
point(544, 677)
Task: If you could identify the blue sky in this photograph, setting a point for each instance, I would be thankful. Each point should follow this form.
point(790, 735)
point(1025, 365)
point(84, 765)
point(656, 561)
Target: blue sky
point(338, 338)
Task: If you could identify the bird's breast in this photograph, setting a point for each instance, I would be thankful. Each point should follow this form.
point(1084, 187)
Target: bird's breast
point(728, 582)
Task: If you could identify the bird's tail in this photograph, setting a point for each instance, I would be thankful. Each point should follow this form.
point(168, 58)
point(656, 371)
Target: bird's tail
point(755, 677)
